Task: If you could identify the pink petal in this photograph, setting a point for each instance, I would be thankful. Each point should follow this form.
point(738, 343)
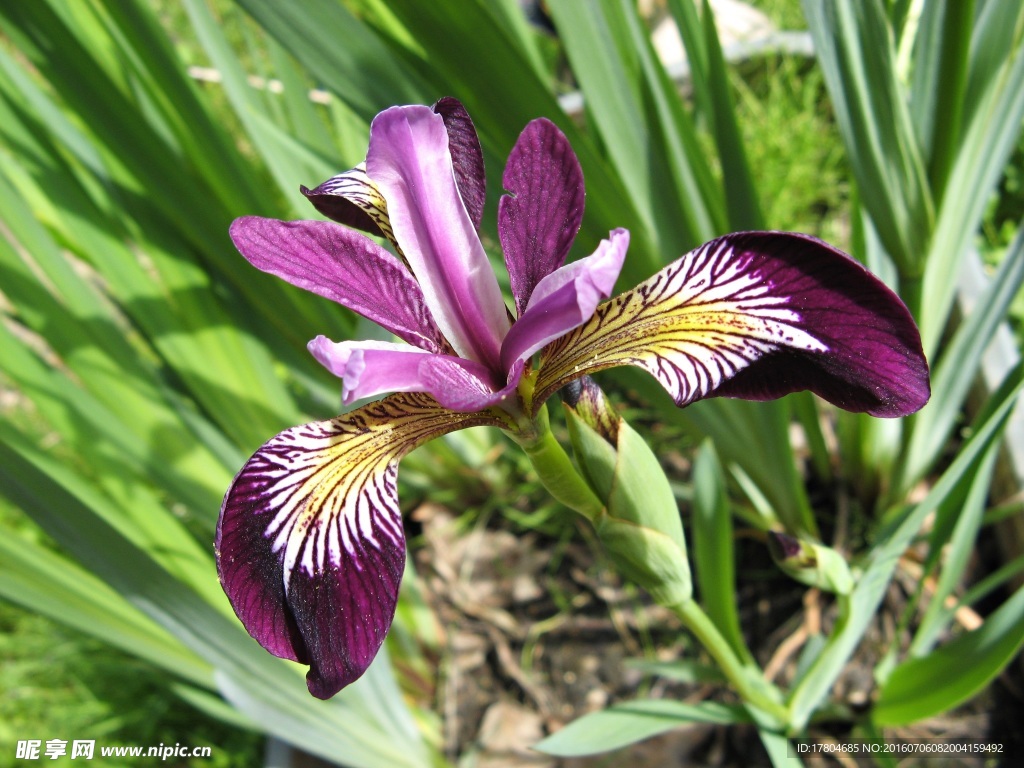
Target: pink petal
point(369, 368)
point(410, 163)
point(566, 298)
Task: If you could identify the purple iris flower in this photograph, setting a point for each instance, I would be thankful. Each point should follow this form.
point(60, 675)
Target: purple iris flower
point(310, 545)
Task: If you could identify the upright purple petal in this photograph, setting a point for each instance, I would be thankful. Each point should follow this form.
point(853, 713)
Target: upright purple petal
point(539, 218)
point(410, 163)
point(369, 368)
point(467, 156)
point(343, 266)
point(310, 547)
point(565, 299)
point(757, 315)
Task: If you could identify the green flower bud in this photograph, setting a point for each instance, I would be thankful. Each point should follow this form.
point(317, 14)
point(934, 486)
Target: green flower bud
point(640, 528)
point(810, 563)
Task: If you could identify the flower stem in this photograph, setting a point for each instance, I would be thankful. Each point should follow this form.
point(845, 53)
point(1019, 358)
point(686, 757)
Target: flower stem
point(556, 470)
point(746, 680)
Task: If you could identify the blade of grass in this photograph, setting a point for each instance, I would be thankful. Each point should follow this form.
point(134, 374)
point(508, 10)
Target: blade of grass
point(48, 584)
point(953, 673)
point(990, 134)
point(624, 724)
point(713, 549)
point(641, 123)
point(956, 370)
point(854, 48)
point(953, 539)
point(939, 78)
point(710, 82)
point(860, 606)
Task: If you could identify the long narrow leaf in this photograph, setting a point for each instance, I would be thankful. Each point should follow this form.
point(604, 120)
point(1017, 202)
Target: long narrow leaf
point(854, 48)
point(953, 673)
point(957, 368)
point(713, 549)
point(871, 586)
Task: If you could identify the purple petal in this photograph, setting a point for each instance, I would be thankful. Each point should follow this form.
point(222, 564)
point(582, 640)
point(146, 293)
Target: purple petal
point(460, 386)
point(757, 315)
point(350, 198)
point(539, 219)
point(343, 266)
point(370, 368)
point(410, 163)
point(310, 547)
point(565, 299)
point(467, 156)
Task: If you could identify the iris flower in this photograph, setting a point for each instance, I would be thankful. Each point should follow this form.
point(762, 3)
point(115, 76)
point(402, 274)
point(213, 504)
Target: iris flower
point(310, 544)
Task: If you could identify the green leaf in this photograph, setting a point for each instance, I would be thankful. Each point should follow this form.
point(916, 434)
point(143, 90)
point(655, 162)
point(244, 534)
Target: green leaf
point(361, 71)
point(625, 724)
point(957, 369)
point(854, 47)
point(350, 724)
point(710, 81)
point(858, 609)
point(48, 584)
point(649, 138)
point(956, 526)
point(713, 549)
point(989, 135)
point(953, 673)
point(939, 78)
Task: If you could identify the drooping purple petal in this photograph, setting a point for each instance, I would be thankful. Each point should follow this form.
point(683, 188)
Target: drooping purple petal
point(343, 266)
point(467, 156)
point(757, 315)
point(369, 368)
point(565, 299)
point(310, 547)
point(410, 163)
point(539, 218)
point(350, 198)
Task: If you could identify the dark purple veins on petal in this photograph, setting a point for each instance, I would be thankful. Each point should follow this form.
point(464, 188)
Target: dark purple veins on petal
point(338, 208)
point(467, 156)
point(539, 219)
point(318, 586)
point(343, 266)
point(875, 362)
point(310, 547)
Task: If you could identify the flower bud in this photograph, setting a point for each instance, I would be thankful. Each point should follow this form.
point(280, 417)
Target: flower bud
point(810, 563)
point(640, 528)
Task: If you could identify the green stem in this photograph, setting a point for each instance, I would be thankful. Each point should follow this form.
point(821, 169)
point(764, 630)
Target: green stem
point(746, 680)
point(556, 470)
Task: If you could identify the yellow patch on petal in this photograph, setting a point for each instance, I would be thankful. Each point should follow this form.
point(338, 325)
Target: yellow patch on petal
point(332, 485)
point(693, 325)
point(356, 187)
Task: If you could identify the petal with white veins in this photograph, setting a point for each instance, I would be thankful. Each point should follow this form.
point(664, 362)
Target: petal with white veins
point(310, 547)
point(757, 315)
